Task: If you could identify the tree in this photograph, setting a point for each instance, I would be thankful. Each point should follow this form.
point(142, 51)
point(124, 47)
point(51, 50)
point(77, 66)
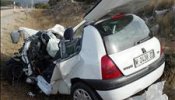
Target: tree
point(53, 2)
point(41, 6)
point(6, 2)
point(86, 1)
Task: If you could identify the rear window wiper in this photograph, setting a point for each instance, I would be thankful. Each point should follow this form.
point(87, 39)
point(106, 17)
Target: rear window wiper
point(143, 40)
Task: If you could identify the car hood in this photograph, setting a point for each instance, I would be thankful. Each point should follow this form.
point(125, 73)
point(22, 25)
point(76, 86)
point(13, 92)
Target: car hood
point(104, 7)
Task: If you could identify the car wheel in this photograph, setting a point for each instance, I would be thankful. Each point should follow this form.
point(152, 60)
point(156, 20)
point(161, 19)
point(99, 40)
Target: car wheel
point(14, 73)
point(81, 91)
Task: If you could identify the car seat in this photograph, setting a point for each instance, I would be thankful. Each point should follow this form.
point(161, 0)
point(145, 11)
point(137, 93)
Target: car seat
point(68, 43)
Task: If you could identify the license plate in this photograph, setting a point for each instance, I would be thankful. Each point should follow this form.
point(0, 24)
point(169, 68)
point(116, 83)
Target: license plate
point(144, 58)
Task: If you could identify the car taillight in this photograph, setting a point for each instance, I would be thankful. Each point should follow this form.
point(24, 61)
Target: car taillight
point(118, 16)
point(109, 69)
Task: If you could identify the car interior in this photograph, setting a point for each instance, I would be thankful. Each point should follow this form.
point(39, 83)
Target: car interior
point(41, 61)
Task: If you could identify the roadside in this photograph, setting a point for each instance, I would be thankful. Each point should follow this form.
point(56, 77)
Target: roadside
point(5, 7)
point(39, 19)
point(11, 20)
point(8, 17)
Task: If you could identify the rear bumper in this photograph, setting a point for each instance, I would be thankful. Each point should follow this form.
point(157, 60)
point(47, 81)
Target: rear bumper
point(132, 88)
point(127, 86)
point(105, 85)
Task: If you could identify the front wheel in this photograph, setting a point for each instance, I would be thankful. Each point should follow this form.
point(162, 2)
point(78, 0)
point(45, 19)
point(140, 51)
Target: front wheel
point(14, 72)
point(81, 91)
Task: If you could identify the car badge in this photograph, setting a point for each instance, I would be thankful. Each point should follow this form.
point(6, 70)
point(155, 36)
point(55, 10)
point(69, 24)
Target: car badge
point(143, 50)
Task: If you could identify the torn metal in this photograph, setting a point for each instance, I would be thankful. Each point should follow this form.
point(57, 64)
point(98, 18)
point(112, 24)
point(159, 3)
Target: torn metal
point(38, 50)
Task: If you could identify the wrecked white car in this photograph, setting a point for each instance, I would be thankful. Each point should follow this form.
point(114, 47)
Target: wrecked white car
point(109, 57)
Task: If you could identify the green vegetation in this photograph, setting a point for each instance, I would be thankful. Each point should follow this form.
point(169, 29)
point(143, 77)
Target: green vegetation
point(53, 2)
point(42, 6)
point(6, 2)
point(87, 1)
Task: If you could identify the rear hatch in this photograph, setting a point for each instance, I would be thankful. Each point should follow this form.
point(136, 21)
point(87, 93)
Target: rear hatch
point(129, 43)
point(110, 7)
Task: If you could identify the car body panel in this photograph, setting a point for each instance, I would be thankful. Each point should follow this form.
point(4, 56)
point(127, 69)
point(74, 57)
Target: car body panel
point(126, 46)
point(114, 6)
point(132, 88)
point(77, 26)
point(125, 58)
point(85, 65)
point(67, 65)
point(110, 84)
point(92, 50)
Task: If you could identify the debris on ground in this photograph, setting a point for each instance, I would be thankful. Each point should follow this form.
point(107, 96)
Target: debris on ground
point(31, 94)
point(154, 92)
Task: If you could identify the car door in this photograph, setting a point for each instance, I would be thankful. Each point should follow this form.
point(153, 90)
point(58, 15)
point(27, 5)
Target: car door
point(66, 64)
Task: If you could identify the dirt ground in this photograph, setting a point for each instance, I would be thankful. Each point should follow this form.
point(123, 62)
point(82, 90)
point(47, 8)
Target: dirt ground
point(20, 92)
point(11, 20)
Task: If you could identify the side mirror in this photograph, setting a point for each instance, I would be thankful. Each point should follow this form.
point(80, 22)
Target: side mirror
point(15, 35)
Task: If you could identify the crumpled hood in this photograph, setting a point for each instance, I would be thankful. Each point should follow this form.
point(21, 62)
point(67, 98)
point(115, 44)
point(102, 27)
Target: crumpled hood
point(28, 32)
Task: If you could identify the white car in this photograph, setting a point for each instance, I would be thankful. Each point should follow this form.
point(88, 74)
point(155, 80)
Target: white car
point(118, 58)
point(109, 58)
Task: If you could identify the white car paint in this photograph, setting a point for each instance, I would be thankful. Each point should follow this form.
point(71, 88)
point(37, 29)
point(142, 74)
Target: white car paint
point(106, 6)
point(91, 53)
point(131, 53)
point(77, 26)
point(28, 32)
point(132, 88)
point(87, 63)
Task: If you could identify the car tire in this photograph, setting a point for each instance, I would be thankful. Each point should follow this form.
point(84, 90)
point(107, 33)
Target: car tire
point(14, 73)
point(79, 89)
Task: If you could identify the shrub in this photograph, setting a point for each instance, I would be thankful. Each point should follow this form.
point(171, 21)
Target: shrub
point(42, 6)
point(87, 1)
point(6, 2)
point(53, 2)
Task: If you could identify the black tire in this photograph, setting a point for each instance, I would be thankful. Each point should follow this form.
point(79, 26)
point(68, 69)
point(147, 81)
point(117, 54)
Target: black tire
point(14, 73)
point(84, 88)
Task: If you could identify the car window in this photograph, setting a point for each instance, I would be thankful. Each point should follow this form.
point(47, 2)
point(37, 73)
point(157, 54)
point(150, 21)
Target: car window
point(122, 33)
point(78, 32)
point(73, 47)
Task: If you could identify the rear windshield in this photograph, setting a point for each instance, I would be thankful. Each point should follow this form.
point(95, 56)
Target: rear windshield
point(123, 33)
